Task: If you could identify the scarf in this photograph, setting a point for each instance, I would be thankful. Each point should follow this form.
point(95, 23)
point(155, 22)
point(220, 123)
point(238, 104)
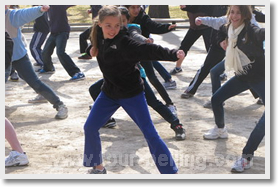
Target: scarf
point(235, 59)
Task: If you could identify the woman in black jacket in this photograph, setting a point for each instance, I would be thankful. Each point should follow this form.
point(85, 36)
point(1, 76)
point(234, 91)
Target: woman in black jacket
point(117, 56)
point(245, 56)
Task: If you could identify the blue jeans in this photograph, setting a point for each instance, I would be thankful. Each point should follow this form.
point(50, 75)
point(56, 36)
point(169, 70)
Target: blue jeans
point(136, 107)
point(60, 42)
point(215, 73)
point(26, 72)
point(152, 101)
point(233, 87)
point(162, 71)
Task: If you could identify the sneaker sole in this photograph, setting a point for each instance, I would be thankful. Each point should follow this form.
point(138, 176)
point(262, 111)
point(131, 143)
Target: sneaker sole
point(110, 126)
point(170, 88)
point(180, 138)
point(18, 164)
point(237, 171)
point(14, 80)
point(38, 101)
point(84, 58)
point(214, 138)
point(174, 73)
point(77, 79)
point(207, 107)
point(47, 72)
point(64, 117)
point(186, 96)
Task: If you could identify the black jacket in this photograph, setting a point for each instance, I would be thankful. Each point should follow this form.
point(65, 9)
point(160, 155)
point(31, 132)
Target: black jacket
point(149, 26)
point(117, 59)
point(42, 24)
point(250, 42)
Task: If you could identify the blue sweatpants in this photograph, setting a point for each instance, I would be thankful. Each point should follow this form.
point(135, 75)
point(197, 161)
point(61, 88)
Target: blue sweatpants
point(136, 107)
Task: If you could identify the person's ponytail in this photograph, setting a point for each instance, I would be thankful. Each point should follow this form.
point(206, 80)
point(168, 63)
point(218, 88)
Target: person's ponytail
point(94, 38)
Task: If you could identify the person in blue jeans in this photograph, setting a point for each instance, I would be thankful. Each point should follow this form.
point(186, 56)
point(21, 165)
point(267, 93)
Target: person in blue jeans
point(117, 55)
point(59, 35)
point(243, 43)
point(14, 19)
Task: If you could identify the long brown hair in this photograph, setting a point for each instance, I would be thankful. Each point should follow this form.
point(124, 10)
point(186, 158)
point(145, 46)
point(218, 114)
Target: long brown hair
point(246, 15)
point(245, 10)
point(102, 14)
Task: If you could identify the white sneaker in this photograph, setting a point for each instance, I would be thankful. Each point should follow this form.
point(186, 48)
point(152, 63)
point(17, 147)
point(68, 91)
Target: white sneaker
point(62, 112)
point(216, 133)
point(173, 110)
point(38, 99)
point(240, 165)
point(16, 159)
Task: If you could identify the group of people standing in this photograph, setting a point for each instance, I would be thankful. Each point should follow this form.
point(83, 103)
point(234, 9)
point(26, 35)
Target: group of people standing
point(121, 43)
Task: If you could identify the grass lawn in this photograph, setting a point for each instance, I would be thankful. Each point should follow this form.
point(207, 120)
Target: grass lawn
point(78, 14)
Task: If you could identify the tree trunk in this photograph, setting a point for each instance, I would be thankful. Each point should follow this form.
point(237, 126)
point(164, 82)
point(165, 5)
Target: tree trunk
point(159, 11)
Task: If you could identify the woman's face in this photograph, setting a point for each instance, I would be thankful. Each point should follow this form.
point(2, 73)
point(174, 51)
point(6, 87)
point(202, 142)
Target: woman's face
point(235, 17)
point(111, 26)
point(134, 10)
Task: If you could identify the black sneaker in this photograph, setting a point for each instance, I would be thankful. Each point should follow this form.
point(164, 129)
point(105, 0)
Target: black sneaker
point(111, 123)
point(175, 71)
point(180, 132)
point(96, 171)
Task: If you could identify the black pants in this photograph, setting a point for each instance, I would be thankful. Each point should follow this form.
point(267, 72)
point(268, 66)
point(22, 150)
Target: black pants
point(83, 37)
point(214, 56)
point(193, 35)
point(148, 66)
